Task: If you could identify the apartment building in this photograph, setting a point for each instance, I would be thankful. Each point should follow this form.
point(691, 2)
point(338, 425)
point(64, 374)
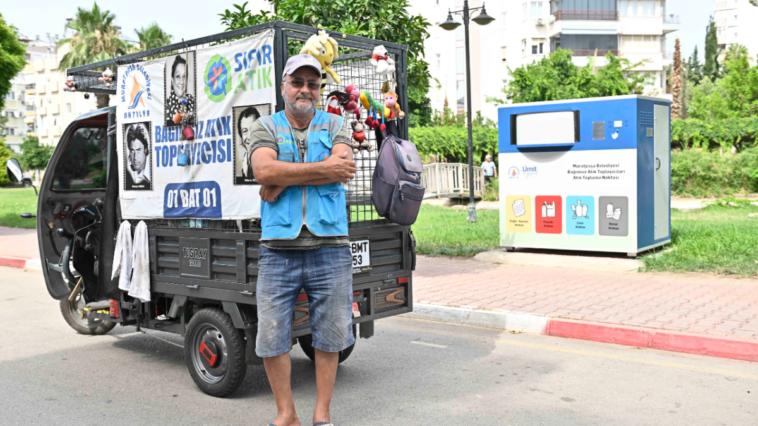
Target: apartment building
point(736, 24)
point(52, 108)
point(14, 111)
point(527, 31)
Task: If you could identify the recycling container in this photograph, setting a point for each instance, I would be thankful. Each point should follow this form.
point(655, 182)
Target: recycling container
point(586, 174)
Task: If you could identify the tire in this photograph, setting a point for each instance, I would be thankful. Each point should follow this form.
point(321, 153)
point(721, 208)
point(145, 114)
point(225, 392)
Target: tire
point(306, 344)
point(226, 344)
point(70, 311)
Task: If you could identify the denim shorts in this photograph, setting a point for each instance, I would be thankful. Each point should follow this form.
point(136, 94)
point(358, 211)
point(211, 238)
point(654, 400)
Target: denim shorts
point(326, 274)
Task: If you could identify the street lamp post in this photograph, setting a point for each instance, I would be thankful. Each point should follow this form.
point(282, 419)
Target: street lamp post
point(450, 25)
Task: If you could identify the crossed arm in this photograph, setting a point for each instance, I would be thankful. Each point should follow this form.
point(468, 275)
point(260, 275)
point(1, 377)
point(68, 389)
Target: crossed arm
point(277, 175)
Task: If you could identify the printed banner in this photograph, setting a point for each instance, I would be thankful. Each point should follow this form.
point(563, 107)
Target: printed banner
point(222, 91)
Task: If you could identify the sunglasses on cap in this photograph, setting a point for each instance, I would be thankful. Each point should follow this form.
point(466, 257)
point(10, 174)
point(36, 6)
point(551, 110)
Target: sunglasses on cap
point(298, 83)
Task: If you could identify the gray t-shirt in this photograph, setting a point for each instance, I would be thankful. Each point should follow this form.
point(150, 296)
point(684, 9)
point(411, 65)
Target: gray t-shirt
point(489, 168)
point(306, 240)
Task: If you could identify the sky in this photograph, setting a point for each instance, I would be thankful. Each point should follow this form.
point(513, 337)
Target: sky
point(183, 21)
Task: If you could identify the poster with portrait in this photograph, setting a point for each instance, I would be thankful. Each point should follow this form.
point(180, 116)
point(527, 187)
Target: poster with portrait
point(138, 167)
point(244, 118)
point(170, 176)
point(179, 85)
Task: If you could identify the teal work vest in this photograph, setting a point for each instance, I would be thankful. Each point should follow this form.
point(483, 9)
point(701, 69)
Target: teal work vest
point(325, 210)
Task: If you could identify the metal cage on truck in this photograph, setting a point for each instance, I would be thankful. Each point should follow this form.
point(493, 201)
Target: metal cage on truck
point(223, 295)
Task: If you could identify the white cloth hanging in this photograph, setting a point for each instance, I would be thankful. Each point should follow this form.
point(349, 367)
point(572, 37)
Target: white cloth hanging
point(122, 257)
point(140, 287)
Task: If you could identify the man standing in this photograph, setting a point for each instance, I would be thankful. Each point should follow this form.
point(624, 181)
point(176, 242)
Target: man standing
point(302, 157)
point(490, 169)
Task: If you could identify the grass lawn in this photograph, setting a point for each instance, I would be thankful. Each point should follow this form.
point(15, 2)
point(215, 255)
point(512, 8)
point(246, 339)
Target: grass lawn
point(442, 231)
point(717, 239)
point(13, 202)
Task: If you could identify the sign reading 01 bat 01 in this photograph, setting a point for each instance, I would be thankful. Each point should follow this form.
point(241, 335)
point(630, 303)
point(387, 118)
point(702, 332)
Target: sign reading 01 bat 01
point(166, 176)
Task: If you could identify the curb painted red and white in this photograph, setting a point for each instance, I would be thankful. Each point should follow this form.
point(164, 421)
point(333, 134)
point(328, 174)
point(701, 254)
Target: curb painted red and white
point(18, 262)
point(721, 347)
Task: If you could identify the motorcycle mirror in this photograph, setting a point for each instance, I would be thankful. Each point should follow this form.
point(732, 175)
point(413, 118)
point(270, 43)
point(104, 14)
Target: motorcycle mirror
point(13, 168)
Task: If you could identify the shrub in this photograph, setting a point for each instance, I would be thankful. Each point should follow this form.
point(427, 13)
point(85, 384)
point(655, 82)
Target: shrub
point(696, 173)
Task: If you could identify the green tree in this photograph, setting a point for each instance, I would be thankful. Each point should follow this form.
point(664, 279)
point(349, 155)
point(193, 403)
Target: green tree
point(152, 36)
point(556, 77)
point(707, 101)
point(693, 68)
point(12, 59)
point(96, 38)
point(386, 21)
point(33, 155)
point(740, 82)
point(711, 67)
point(5, 154)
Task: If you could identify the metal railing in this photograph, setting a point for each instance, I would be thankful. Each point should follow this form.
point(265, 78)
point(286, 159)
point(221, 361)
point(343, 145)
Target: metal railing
point(671, 19)
point(586, 15)
point(592, 52)
point(442, 179)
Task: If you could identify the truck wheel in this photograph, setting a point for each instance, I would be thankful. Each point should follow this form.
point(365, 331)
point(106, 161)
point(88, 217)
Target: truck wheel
point(306, 344)
point(215, 352)
point(72, 314)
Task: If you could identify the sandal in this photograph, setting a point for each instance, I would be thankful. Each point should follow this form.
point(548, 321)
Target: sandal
point(323, 424)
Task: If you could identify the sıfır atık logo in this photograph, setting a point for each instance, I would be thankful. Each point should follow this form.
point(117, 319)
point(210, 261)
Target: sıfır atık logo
point(217, 78)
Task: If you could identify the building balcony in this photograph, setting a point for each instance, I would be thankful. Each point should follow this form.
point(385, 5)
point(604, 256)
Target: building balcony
point(670, 23)
point(31, 113)
point(42, 111)
point(55, 131)
point(54, 109)
point(594, 52)
point(41, 89)
point(42, 133)
point(721, 5)
point(31, 92)
point(586, 15)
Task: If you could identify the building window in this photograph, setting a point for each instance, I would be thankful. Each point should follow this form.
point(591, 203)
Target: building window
point(534, 49)
point(542, 48)
point(536, 9)
point(68, 106)
point(439, 60)
point(523, 47)
point(504, 19)
point(502, 53)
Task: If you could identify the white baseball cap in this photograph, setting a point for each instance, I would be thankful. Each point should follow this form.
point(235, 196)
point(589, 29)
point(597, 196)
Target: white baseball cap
point(299, 61)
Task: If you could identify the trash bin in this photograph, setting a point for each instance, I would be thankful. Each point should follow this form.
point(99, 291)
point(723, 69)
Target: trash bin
point(586, 174)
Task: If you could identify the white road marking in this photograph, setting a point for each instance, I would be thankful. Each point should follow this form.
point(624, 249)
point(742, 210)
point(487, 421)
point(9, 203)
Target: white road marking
point(432, 345)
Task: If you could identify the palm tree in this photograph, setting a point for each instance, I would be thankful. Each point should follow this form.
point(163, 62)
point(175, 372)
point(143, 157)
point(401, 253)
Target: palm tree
point(152, 36)
point(95, 38)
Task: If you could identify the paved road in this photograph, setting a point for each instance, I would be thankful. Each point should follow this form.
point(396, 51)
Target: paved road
point(412, 372)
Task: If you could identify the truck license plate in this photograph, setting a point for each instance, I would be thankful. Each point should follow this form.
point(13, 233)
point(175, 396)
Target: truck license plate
point(361, 251)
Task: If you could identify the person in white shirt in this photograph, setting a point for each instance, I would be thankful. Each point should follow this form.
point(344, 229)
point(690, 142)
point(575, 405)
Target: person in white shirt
point(490, 169)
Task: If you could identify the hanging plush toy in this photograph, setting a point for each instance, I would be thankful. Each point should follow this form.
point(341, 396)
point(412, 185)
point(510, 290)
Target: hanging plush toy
point(369, 103)
point(381, 61)
point(324, 49)
point(391, 102)
point(333, 106)
point(359, 140)
point(353, 105)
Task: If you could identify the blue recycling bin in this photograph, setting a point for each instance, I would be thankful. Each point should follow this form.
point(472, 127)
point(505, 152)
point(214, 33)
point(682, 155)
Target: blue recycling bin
point(586, 174)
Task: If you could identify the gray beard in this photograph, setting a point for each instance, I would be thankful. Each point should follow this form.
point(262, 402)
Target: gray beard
point(298, 111)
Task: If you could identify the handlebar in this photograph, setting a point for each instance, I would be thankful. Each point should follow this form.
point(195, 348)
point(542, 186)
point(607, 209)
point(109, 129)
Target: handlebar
point(63, 267)
point(28, 215)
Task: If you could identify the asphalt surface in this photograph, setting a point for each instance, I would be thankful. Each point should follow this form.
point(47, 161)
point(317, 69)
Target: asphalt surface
point(410, 373)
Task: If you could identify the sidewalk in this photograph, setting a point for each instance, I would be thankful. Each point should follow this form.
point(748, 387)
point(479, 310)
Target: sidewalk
point(693, 313)
point(19, 248)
